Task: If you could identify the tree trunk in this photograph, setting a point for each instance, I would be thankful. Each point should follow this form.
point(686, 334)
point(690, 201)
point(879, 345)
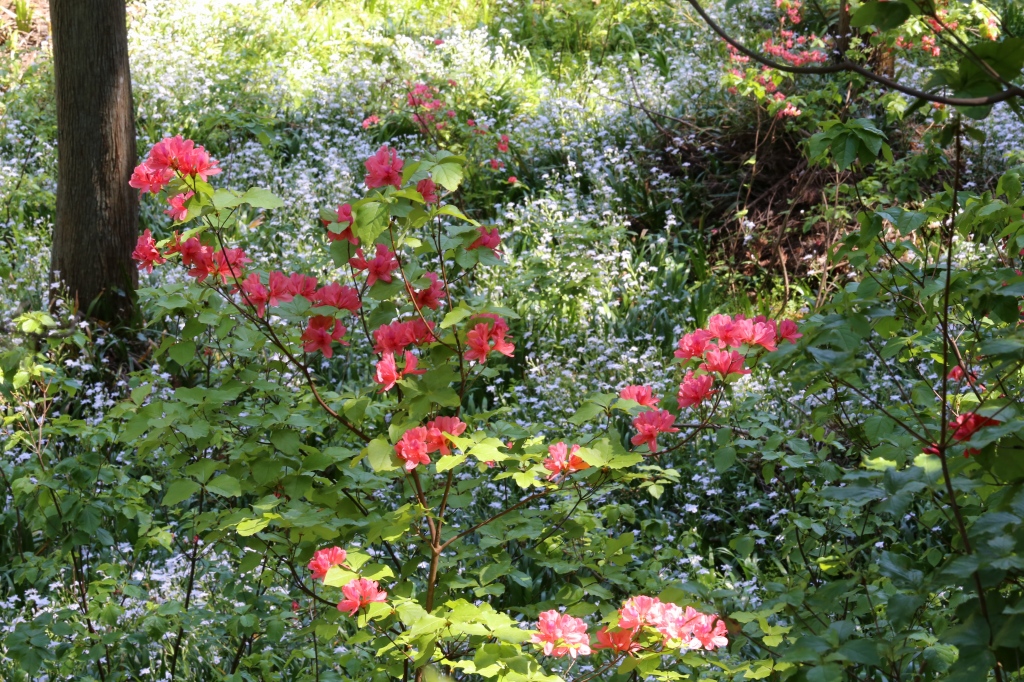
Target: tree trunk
point(97, 212)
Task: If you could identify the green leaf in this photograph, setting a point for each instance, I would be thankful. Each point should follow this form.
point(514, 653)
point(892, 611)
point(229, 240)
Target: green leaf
point(179, 491)
point(226, 198)
point(455, 316)
point(586, 412)
point(141, 392)
point(594, 458)
point(724, 459)
point(448, 175)
point(225, 486)
point(182, 352)
point(376, 572)
point(881, 15)
point(448, 209)
point(380, 454)
point(371, 220)
point(252, 526)
point(286, 440)
point(830, 672)
point(449, 462)
point(261, 198)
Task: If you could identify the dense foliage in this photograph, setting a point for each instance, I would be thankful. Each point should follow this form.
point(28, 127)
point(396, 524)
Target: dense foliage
point(532, 341)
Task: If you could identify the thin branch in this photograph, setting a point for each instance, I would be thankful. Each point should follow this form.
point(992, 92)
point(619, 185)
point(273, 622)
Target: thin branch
point(846, 66)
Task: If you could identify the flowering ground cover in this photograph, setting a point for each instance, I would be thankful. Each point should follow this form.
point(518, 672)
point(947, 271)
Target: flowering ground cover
point(525, 341)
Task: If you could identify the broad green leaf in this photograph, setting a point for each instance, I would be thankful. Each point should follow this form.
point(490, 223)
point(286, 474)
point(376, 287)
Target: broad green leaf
point(448, 175)
point(881, 15)
point(381, 455)
point(586, 412)
point(455, 316)
point(225, 486)
point(182, 352)
point(261, 198)
point(179, 491)
point(449, 462)
point(252, 526)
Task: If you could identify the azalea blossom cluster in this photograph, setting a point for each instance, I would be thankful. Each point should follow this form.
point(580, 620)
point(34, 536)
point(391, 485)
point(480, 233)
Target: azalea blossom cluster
point(358, 593)
point(170, 157)
point(708, 354)
point(416, 444)
point(229, 265)
point(430, 111)
point(963, 428)
point(383, 169)
point(643, 622)
point(563, 461)
point(789, 49)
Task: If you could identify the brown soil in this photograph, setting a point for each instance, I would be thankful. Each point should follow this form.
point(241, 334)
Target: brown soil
point(14, 38)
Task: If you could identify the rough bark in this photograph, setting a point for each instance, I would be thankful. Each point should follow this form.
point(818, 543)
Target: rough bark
point(97, 212)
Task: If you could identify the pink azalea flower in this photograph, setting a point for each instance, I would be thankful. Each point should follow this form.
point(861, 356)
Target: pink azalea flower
point(764, 336)
point(643, 395)
point(197, 162)
point(675, 624)
point(384, 168)
point(386, 372)
point(178, 211)
point(561, 634)
point(651, 423)
point(428, 190)
point(303, 285)
point(484, 338)
point(710, 632)
point(640, 611)
point(345, 218)
point(281, 288)
point(256, 294)
point(380, 266)
point(503, 144)
point(618, 641)
point(359, 593)
point(512, 179)
point(199, 257)
point(788, 331)
point(429, 297)
point(178, 154)
point(563, 461)
point(436, 428)
point(412, 448)
point(724, 362)
point(694, 389)
point(169, 153)
point(371, 120)
point(146, 253)
point(969, 423)
point(721, 327)
point(321, 333)
point(395, 337)
point(148, 179)
point(196, 256)
point(488, 239)
point(694, 344)
point(337, 296)
point(323, 559)
point(229, 264)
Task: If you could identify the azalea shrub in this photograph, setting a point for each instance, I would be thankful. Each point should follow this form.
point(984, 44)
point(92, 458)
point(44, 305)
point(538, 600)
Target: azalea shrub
point(893, 550)
point(337, 456)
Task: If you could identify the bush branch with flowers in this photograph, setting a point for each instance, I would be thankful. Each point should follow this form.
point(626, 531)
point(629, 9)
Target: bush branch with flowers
point(385, 521)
